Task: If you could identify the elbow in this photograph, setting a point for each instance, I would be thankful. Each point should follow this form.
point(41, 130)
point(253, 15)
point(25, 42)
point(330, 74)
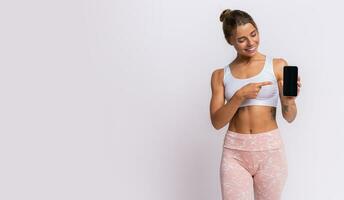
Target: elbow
point(289, 119)
point(215, 124)
point(218, 128)
point(218, 125)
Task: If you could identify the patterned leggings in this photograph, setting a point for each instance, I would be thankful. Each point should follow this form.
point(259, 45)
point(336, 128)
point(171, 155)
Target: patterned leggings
point(253, 165)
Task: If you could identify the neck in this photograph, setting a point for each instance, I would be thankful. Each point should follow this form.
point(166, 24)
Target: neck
point(248, 59)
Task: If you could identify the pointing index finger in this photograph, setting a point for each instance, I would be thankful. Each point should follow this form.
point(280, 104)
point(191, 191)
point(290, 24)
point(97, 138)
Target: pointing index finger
point(260, 84)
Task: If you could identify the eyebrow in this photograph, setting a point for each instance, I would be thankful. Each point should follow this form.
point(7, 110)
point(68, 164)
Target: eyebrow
point(244, 36)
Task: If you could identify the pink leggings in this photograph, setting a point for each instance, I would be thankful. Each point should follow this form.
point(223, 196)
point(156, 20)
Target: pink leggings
point(253, 165)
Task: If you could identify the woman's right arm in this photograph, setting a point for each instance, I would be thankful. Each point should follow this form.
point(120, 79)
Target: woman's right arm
point(220, 113)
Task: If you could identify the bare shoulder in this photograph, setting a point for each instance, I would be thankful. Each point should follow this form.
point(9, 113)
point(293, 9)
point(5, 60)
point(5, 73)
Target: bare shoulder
point(217, 76)
point(278, 64)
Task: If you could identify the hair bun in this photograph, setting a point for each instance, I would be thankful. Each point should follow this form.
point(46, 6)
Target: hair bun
point(224, 14)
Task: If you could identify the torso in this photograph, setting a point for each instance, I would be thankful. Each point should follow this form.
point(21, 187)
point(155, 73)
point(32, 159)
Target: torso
point(252, 119)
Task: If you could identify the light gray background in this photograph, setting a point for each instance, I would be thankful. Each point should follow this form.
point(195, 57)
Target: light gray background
point(110, 99)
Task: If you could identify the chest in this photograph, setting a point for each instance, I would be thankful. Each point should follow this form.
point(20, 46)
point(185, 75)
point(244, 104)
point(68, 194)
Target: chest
point(233, 84)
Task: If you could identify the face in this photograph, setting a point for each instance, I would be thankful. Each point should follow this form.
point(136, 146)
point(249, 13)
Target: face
point(245, 40)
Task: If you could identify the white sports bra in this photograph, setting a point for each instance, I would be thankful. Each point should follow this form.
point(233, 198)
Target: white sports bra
point(268, 94)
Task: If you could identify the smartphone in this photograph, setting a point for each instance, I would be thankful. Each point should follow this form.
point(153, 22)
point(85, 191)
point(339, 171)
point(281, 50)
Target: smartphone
point(290, 74)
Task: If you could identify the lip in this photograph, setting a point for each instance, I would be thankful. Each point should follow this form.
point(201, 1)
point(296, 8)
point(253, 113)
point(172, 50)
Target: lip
point(251, 49)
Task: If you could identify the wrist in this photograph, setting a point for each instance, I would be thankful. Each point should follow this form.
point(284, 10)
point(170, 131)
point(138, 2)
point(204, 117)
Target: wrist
point(239, 96)
point(288, 101)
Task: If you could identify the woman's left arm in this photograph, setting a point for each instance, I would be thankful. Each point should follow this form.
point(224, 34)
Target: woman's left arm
point(289, 108)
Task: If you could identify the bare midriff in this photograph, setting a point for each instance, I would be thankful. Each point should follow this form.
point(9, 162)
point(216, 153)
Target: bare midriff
point(254, 119)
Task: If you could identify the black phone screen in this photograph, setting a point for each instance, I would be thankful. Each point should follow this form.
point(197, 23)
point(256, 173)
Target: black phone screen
point(290, 74)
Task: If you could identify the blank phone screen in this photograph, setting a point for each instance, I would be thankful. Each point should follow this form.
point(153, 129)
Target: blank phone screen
point(290, 74)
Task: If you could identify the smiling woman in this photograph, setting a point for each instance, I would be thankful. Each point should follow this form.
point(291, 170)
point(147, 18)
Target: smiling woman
point(246, 37)
point(244, 96)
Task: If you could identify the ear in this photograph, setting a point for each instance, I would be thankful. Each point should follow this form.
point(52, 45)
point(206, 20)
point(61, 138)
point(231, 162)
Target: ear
point(229, 41)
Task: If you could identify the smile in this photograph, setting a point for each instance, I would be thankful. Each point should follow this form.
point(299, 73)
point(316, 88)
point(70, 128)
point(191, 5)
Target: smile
point(251, 49)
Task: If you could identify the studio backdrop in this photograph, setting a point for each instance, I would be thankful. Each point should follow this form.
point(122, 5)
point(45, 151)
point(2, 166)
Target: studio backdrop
point(109, 100)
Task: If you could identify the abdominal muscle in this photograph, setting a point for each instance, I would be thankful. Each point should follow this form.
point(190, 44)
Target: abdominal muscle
point(253, 119)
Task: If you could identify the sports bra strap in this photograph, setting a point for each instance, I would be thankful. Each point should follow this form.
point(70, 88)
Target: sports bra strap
point(225, 71)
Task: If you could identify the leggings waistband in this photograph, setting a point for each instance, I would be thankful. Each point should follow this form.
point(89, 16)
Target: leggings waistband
point(253, 142)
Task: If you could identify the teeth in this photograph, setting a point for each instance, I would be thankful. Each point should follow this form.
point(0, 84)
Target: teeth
point(251, 49)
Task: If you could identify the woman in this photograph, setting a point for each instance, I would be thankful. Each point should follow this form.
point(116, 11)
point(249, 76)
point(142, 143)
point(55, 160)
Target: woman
point(253, 159)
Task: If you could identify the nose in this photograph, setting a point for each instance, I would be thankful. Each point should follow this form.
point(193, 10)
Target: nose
point(250, 42)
